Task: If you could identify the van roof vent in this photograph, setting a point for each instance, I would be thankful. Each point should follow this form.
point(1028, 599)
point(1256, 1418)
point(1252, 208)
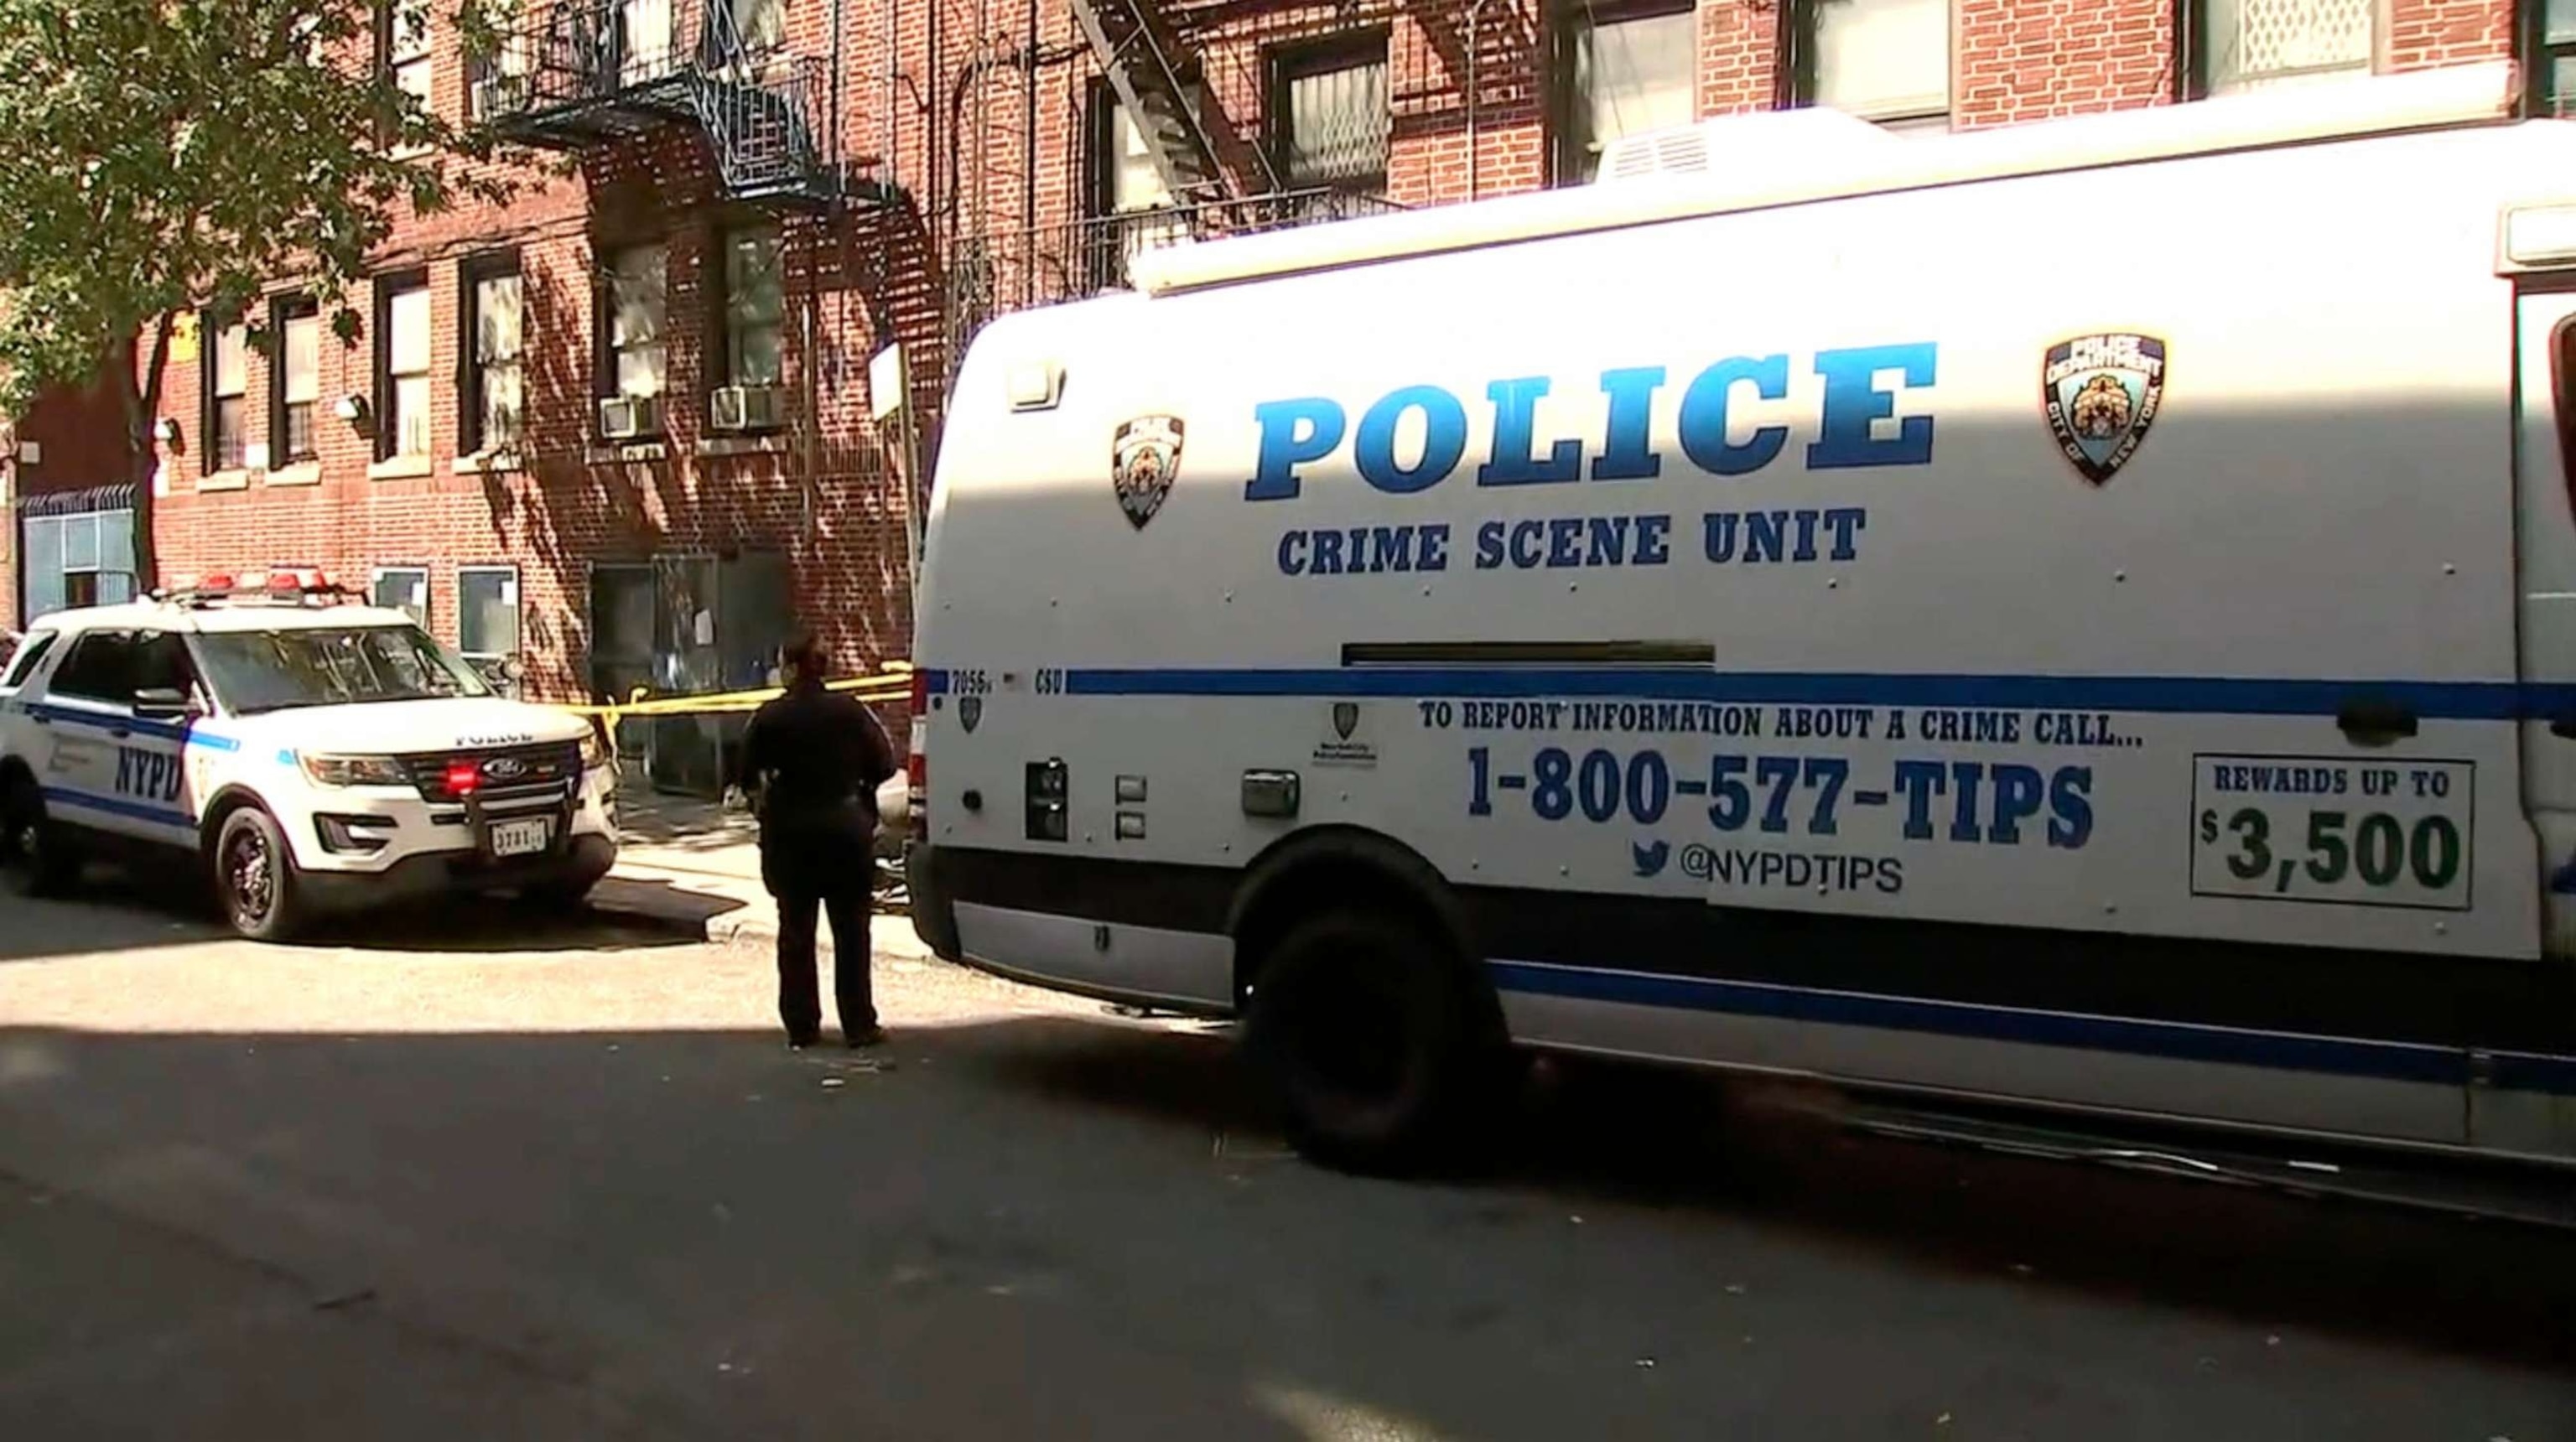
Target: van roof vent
point(1762, 139)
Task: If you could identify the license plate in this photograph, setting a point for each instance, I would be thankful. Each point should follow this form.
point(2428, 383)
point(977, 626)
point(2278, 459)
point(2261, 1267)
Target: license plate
point(520, 838)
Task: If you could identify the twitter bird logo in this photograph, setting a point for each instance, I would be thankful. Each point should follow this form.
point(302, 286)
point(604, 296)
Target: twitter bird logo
point(1652, 857)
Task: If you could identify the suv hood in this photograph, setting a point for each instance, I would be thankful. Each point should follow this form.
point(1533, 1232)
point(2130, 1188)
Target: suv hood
point(394, 728)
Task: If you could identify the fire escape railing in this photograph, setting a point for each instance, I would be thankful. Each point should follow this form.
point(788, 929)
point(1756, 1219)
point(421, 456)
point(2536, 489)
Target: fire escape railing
point(570, 74)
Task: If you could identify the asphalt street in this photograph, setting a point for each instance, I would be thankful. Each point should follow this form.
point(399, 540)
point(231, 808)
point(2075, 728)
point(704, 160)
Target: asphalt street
point(476, 1175)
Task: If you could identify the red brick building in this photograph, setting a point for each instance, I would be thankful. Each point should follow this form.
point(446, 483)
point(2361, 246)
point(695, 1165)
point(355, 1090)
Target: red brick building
point(621, 429)
point(66, 507)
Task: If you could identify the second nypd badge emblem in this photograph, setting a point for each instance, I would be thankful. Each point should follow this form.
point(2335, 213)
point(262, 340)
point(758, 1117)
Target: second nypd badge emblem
point(2101, 393)
point(1144, 459)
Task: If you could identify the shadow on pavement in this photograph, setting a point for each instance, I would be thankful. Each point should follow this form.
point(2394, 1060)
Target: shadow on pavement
point(1692, 1143)
point(1048, 1226)
point(117, 910)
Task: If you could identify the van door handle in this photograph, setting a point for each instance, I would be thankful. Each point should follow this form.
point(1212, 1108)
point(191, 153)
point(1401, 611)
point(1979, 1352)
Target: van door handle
point(2376, 723)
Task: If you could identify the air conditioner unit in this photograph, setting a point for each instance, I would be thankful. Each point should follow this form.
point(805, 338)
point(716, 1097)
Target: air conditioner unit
point(502, 94)
point(745, 408)
point(625, 418)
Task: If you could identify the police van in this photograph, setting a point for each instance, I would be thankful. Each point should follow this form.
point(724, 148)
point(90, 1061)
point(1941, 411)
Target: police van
point(308, 754)
point(2080, 616)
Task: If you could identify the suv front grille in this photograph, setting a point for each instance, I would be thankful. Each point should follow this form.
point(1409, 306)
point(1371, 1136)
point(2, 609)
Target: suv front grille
point(512, 773)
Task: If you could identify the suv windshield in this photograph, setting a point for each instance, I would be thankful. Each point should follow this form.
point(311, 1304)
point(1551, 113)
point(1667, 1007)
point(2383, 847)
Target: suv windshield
point(254, 671)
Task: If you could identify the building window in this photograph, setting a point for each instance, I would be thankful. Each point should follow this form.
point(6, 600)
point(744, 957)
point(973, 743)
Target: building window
point(227, 423)
point(1329, 119)
point(402, 366)
point(492, 409)
point(1126, 193)
point(648, 35)
point(2237, 45)
point(487, 618)
point(2551, 52)
point(1623, 71)
point(1882, 60)
point(760, 24)
point(75, 558)
point(402, 37)
point(499, 83)
point(294, 379)
point(755, 309)
point(638, 306)
point(1124, 180)
point(404, 589)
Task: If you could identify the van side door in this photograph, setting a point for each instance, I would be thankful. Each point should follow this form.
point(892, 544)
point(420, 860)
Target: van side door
point(2506, 1115)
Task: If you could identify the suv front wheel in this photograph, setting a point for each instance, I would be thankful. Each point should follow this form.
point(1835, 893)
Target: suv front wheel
point(256, 879)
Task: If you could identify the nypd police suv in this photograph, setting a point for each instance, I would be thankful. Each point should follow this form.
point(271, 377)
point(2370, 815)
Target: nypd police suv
point(2080, 616)
point(308, 754)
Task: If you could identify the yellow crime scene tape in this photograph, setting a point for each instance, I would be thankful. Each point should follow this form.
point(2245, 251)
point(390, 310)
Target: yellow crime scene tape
point(892, 682)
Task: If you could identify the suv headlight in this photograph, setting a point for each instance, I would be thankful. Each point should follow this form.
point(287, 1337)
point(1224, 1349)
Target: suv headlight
point(353, 770)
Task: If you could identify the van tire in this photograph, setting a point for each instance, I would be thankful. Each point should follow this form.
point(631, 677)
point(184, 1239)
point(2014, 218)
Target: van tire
point(1367, 1038)
point(36, 850)
point(255, 878)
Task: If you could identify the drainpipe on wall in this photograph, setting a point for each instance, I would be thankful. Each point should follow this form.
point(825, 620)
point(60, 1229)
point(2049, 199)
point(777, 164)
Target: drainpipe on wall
point(1475, 92)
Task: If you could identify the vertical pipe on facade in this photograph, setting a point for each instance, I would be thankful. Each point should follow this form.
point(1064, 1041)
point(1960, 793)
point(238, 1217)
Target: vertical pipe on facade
point(832, 156)
point(930, 150)
point(1029, 159)
point(1475, 36)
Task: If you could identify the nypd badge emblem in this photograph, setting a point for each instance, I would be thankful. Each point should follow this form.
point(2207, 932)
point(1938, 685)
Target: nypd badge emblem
point(2101, 393)
point(1144, 459)
point(1346, 718)
point(970, 711)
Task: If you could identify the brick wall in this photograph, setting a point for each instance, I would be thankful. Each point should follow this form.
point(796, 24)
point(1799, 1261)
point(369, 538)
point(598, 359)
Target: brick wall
point(820, 495)
point(79, 436)
point(978, 113)
point(2022, 60)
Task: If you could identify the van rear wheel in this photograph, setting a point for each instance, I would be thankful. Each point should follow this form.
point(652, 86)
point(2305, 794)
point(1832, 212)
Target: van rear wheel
point(1367, 1037)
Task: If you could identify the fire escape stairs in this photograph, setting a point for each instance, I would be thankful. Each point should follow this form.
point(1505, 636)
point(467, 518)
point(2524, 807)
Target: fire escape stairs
point(589, 80)
point(1146, 68)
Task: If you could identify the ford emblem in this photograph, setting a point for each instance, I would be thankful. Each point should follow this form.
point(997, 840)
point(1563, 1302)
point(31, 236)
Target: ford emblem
point(505, 768)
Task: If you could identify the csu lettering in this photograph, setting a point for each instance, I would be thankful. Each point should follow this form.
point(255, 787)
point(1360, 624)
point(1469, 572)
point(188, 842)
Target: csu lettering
point(1855, 425)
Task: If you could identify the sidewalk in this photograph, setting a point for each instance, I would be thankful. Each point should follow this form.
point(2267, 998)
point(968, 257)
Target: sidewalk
point(695, 865)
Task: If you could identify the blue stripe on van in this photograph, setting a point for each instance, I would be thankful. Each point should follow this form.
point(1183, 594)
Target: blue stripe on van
point(2177, 1041)
point(2193, 695)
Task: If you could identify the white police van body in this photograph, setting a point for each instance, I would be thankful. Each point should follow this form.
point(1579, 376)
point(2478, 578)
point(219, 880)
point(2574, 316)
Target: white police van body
point(2028, 616)
point(313, 757)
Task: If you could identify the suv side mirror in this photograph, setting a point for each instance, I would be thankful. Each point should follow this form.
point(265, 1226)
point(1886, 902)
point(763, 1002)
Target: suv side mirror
point(161, 704)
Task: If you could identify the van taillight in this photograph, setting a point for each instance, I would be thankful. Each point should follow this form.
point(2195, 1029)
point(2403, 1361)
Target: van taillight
point(916, 763)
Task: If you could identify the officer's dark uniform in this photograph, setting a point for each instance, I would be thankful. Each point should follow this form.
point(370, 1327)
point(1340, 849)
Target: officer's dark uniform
point(822, 757)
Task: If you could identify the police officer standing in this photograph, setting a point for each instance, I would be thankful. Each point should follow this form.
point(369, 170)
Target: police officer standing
point(818, 759)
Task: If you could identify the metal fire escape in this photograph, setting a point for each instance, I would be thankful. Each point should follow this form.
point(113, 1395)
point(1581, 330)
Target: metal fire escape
point(1144, 65)
point(582, 73)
